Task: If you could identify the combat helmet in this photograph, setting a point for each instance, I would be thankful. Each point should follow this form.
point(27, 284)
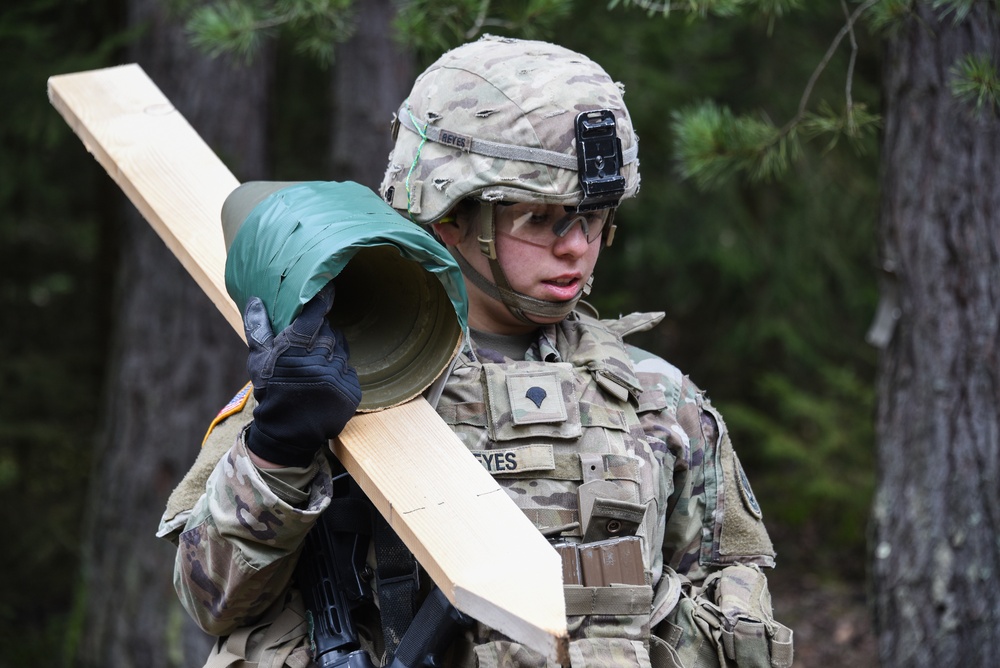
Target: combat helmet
point(502, 120)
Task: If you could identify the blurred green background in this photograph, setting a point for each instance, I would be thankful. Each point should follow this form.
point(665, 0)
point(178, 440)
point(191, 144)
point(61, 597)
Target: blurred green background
point(768, 287)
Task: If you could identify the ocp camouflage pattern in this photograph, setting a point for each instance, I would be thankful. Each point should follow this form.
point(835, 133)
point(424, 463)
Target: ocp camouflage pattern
point(551, 84)
point(584, 418)
point(236, 553)
point(632, 423)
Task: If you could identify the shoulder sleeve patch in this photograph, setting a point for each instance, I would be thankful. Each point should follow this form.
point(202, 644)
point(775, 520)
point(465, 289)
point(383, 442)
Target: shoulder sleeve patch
point(234, 406)
point(749, 500)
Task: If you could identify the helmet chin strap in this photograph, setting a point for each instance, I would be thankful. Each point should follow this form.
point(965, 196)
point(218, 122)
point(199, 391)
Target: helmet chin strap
point(520, 305)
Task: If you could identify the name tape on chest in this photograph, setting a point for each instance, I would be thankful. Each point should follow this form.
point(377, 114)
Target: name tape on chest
point(517, 460)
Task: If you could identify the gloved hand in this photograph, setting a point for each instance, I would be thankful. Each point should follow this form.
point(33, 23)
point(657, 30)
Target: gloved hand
point(305, 389)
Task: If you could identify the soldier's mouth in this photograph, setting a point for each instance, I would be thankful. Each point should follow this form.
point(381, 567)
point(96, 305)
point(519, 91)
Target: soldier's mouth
point(562, 288)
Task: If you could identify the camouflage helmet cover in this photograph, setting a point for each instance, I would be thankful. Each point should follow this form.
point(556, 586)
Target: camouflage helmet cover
point(504, 94)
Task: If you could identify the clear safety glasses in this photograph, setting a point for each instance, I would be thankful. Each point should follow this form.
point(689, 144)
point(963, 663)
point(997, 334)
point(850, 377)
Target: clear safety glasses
point(542, 225)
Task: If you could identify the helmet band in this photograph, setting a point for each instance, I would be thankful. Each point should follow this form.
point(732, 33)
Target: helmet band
point(492, 149)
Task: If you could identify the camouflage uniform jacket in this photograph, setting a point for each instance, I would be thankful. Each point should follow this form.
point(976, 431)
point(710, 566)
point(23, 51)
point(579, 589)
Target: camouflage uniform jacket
point(592, 439)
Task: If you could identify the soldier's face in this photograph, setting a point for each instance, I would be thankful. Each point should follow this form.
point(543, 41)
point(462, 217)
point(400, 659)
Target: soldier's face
point(554, 271)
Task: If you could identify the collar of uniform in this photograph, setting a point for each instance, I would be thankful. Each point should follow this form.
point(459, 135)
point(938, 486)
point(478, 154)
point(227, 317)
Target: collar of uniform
point(589, 343)
point(544, 349)
point(499, 347)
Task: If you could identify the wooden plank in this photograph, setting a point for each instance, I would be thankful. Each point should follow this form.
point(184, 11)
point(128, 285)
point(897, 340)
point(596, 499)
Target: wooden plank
point(474, 542)
point(142, 142)
point(459, 514)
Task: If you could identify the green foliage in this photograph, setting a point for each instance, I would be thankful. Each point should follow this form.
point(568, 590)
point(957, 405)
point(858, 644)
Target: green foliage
point(775, 8)
point(974, 81)
point(887, 15)
point(960, 8)
point(241, 27)
point(699, 8)
point(227, 27)
point(432, 27)
point(767, 287)
point(807, 432)
point(713, 144)
point(855, 123)
point(770, 10)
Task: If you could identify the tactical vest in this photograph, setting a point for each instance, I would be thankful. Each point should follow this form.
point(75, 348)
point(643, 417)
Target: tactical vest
point(561, 434)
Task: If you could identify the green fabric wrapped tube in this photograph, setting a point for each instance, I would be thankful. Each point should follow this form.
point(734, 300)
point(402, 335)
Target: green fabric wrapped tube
point(400, 300)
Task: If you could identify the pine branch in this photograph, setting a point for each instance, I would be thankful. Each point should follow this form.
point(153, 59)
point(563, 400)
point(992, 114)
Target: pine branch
point(975, 81)
point(847, 29)
point(888, 15)
point(713, 143)
point(700, 8)
point(241, 26)
point(961, 8)
point(432, 26)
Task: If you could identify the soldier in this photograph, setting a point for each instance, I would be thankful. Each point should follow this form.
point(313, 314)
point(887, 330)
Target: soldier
point(516, 154)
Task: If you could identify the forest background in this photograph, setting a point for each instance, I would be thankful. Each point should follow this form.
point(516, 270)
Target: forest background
point(768, 287)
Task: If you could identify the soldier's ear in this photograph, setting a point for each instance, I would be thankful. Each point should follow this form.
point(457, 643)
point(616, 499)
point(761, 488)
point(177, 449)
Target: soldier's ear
point(448, 230)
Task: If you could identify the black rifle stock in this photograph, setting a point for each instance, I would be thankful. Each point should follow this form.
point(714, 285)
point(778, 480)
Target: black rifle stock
point(435, 625)
point(328, 575)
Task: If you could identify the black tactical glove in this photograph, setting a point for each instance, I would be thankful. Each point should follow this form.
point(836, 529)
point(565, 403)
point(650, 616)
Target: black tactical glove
point(305, 389)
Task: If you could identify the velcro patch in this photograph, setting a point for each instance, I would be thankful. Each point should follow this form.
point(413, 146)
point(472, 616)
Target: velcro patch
point(517, 460)
point(532, 403)
point(535, 397)
point(235, 405)
point(749, 500)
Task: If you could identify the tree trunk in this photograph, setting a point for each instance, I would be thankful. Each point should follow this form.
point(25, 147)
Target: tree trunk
point(372, 75)
point(937, 507)
point(175, 361)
